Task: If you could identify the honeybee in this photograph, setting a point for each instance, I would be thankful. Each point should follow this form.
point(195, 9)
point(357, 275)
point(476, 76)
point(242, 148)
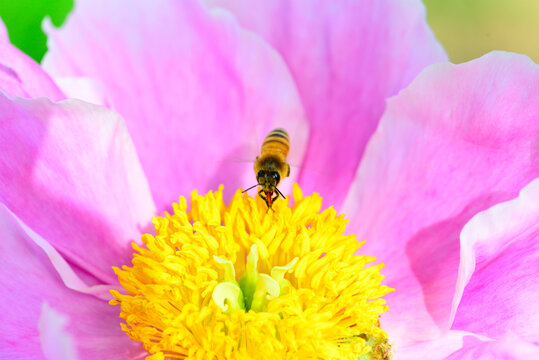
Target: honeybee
point(271, 166)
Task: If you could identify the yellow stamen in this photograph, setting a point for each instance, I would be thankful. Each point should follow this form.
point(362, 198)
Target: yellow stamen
point(239, 282)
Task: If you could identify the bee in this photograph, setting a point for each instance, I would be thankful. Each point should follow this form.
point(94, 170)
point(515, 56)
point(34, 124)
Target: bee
point(271, 166)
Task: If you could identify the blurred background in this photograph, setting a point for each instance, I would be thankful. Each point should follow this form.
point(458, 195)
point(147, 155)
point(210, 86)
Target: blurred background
point(466, 28)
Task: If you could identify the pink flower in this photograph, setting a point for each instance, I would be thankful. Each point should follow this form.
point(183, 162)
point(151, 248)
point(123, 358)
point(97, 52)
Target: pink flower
point(440, 180)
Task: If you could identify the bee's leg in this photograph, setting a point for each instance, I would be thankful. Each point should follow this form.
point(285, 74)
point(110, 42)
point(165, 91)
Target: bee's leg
point(261, 194)
point(272, 201)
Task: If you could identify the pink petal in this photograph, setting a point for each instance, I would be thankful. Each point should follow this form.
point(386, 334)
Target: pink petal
point(437, 349)
point(197, 92)
point(508, 348)
point(22, 76)
point(346, 57)
point(56, 342)
point(72, 277)
point(28, 280)
point(70, 172)
point(461, 345)
point(502, 246)
point(460, 139)
point(85, 89)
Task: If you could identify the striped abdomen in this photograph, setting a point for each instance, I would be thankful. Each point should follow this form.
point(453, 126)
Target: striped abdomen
point(277, 141)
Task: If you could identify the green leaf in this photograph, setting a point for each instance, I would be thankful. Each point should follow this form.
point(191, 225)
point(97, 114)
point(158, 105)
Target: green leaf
point(23, 19)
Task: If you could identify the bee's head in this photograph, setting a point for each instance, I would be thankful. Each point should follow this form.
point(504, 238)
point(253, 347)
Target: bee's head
point(268, 180)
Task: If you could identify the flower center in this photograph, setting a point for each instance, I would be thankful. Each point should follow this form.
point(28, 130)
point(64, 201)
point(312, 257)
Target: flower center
point(301, 292)
point(254, 290)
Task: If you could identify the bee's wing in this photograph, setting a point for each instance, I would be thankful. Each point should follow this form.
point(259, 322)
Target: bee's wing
point(241, 159)
point(236, 167)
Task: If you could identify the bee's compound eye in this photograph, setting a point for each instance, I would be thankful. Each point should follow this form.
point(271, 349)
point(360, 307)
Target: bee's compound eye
point(260, 177)
point(275, 176)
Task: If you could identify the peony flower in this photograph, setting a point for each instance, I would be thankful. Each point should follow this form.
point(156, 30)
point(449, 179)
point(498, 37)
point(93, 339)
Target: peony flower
point(239, 281)
point(438, 181)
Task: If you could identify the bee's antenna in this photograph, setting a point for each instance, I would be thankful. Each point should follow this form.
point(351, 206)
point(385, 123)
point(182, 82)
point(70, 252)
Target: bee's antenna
point(280, 193)
point(249, 188)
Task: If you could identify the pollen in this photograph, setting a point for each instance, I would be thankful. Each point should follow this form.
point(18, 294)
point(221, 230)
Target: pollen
point(238, 281)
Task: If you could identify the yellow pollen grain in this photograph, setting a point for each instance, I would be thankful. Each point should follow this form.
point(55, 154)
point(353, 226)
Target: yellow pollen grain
point(330, 300)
